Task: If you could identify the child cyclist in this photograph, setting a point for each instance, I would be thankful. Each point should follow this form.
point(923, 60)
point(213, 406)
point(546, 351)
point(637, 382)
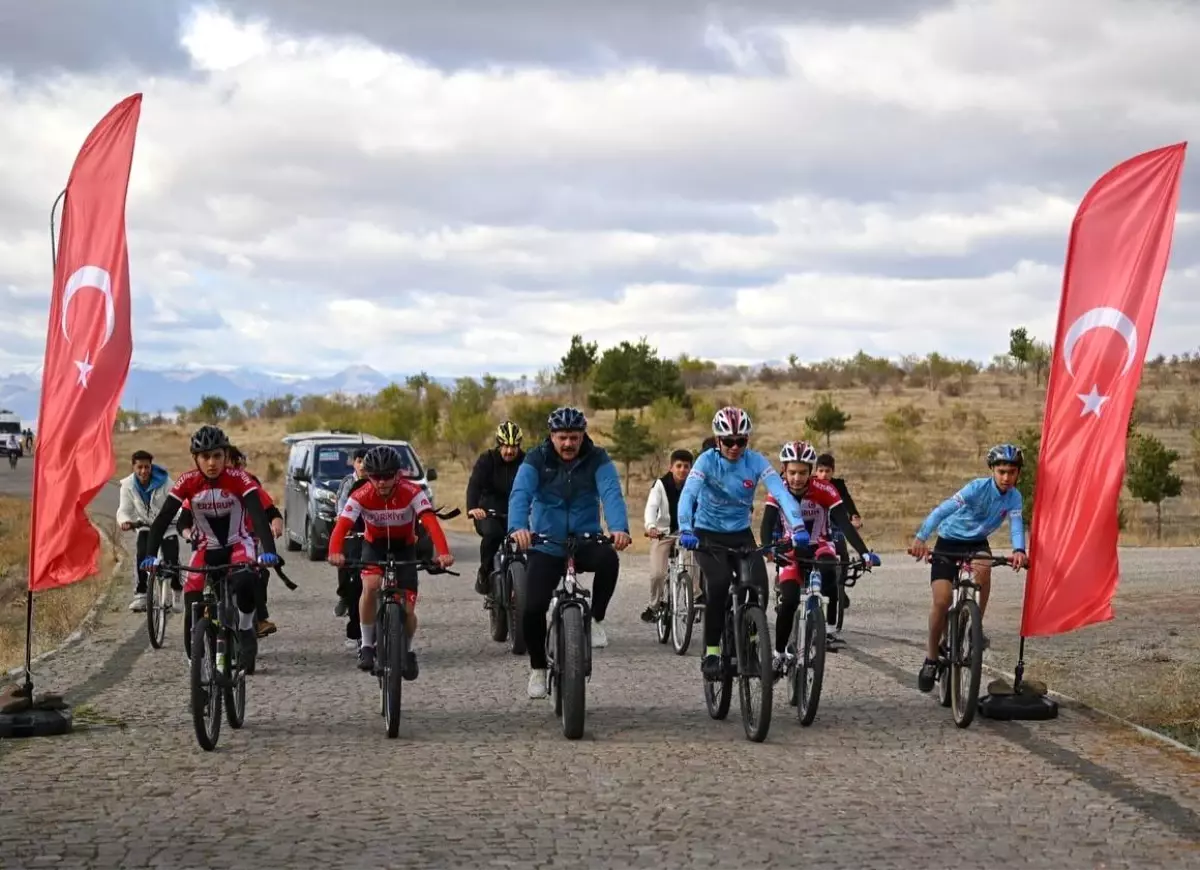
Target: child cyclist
point(715, 507)
point(820, 502)
point(390, 507)
point(963, 522)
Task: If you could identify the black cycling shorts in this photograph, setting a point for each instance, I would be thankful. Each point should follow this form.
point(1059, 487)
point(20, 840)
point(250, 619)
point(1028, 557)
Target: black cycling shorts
point(942, 570)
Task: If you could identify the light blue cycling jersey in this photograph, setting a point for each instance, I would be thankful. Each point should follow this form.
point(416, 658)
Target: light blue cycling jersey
point(718, 495)
point(975, 511)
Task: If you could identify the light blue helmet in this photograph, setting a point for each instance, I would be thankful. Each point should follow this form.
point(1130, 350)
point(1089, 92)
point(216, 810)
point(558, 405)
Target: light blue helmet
point(1005, 454)
point(566, 419)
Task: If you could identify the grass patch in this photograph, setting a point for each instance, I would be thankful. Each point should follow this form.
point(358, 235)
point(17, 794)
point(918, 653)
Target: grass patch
point(87, 715)
point(57, 612)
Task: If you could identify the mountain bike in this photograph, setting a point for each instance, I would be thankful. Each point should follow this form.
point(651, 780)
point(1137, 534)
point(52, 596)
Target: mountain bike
point(745, 644)
point(569, 638)
point(503, 603)
point(960, 653)
point(219, 661)
point(393, 656)
point(676, 615)
point(160, 594)
point(805, 670)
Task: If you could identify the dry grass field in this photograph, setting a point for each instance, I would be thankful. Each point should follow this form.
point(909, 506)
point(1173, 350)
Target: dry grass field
point(57, 612)
point(948, 437)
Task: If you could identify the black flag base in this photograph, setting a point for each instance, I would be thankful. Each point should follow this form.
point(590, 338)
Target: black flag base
point(46, 715)
point(1027, 702)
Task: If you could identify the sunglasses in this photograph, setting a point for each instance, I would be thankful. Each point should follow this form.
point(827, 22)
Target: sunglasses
point(380, 478)
point(734, 442)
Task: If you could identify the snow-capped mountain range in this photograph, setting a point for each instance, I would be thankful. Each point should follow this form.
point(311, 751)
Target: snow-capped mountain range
point(154, 390)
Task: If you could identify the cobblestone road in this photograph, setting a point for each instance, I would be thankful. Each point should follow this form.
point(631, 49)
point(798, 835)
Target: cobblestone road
point(481, 776)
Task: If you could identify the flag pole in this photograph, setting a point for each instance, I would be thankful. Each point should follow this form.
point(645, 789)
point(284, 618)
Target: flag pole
point(27, 690)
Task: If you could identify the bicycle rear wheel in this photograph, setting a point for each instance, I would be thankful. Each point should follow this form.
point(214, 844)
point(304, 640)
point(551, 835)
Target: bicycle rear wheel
point(234, 691)
point(205, 697)
point(157, 591)
point(966, 665)
point(757, 670)
point(718, 693)
point(571, 685)
point(808, 675)
point(393, 665)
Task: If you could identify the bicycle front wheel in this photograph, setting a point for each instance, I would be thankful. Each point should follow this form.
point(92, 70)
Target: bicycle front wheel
point(682, 611)
point(206, 697)
point(234, 690)
point(718, 693)
point(156, 610)
point(966, 663)
point(809, 671)
point(515, 586)
point(756, 677)
point(393, 665)
point(571, 684)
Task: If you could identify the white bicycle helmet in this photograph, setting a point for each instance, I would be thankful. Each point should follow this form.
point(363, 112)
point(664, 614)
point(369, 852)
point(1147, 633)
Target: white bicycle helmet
point(731, 422)
point(799, 451)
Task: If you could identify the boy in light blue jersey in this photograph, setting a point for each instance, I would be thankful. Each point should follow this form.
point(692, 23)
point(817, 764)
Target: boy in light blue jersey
point(715, 507)
point(963, 522)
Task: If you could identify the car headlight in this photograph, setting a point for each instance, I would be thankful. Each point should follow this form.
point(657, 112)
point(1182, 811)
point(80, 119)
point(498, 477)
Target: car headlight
point(326, 496)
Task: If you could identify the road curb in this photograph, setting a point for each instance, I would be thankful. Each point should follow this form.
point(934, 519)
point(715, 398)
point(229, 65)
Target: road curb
point(1113, 717)
point(89, 619)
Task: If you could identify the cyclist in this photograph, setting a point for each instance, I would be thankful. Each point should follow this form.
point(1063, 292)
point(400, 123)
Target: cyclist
point(662, 518)
point(390, 507)
point(558, 491)
point(825, 472)
point(963, 522)
point(221, 498)
point(349, 588)
point(488, 489)
point(262, 625)
point(142, 495)
point(715, 508)
point(820, 503)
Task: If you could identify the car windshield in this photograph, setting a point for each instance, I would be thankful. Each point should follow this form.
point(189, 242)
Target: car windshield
point(336, 461)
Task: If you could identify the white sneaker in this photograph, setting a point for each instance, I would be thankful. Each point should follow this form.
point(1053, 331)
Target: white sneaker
point(138, 604)
point(599, 636)
point(351, 645)
point(537, 683)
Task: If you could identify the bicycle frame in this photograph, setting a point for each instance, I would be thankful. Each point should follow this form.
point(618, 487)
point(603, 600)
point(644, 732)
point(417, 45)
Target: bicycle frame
point(743, 592)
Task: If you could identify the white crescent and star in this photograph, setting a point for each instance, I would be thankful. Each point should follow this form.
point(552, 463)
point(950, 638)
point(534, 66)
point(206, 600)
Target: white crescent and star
point(1096, 318)
point(97, 279)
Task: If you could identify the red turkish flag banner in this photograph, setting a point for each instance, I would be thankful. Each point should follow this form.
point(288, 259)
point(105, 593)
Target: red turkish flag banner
point(1116, 260)
point(88, 345)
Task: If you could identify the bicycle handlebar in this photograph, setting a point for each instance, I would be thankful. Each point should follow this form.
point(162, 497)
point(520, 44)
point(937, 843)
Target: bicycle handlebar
point(426, 565)
point(572, 539)
point(745, 550)
point(220, 569)
point(960, 559)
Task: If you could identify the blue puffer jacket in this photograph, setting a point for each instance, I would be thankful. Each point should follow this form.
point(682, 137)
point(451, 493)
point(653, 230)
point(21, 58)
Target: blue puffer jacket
point(551, 497)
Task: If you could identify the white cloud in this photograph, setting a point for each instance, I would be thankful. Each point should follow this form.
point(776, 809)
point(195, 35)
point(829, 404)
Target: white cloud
point(900, 187)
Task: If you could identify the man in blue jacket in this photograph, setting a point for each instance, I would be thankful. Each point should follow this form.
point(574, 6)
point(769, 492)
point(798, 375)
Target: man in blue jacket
point(558, 490)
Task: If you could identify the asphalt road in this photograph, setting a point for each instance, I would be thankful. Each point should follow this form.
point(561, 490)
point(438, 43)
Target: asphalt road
point(19, 481)
point(482, 777)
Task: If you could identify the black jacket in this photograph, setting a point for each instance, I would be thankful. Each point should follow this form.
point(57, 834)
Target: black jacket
point(839, 484)
point(490, 484)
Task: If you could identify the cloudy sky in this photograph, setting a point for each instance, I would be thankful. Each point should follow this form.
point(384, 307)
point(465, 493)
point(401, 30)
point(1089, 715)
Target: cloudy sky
point(460, 186)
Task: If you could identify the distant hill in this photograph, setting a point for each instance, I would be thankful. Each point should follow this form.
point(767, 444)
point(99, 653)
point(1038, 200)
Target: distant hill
point(155, 390)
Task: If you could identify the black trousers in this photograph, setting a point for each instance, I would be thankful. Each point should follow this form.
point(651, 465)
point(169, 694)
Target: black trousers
point(349, 586)
point(789, 597)
point(169, 550)
point(718, 575)
point(541, 577)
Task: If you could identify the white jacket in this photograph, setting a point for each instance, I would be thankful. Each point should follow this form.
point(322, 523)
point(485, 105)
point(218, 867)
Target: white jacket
point(658, 509)
point(133, 507)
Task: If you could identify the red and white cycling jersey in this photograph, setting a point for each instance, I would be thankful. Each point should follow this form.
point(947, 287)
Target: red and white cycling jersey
point(818, 499)
point(388, 520)
point(218, 507)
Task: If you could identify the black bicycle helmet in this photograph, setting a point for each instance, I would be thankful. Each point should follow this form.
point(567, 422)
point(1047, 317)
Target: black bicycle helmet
point(508, 434)
point(381, 461)
point(566, 419)
point(208, 438)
